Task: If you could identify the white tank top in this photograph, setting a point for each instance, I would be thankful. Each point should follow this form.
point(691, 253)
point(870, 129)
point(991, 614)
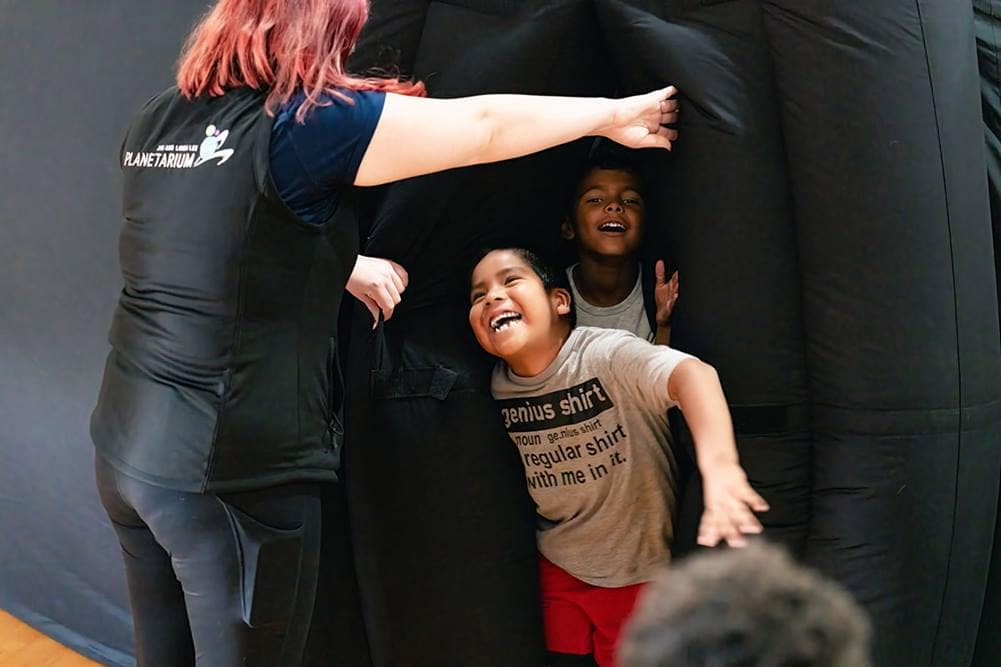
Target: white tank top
point(628, 315)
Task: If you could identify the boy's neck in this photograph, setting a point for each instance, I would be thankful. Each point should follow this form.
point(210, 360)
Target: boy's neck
point(605, 281)
point(530, 363)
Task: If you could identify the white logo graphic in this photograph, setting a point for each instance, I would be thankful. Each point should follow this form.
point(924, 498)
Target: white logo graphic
point(183, 156)
point(211, 144)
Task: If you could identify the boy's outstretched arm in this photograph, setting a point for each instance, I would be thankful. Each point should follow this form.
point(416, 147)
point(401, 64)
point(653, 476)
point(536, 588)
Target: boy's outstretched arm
point(730, 502)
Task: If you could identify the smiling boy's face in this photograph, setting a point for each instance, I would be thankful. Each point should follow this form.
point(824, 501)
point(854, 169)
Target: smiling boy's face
point(608, 216)
point(513, 316)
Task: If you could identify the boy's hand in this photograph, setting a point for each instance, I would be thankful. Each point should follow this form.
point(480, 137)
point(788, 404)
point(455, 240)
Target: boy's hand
point(378, 283)
point(665, 293)
point(730, 503)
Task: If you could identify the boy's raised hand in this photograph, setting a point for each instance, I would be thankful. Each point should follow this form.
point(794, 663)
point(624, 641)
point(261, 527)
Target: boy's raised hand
point(665, 293)
point(730, 503)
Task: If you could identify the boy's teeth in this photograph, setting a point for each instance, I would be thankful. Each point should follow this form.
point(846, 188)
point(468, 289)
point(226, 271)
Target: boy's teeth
point(503, 320)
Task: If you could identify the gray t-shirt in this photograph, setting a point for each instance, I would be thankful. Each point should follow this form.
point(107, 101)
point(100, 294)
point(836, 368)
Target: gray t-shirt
point(592, 434)
point(628, 314)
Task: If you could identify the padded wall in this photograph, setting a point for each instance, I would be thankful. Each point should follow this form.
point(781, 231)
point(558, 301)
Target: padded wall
point(880, 115)
point(813, 188)
point(739, 307)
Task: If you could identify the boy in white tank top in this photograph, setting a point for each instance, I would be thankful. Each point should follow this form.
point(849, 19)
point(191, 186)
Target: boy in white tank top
point(605, 223)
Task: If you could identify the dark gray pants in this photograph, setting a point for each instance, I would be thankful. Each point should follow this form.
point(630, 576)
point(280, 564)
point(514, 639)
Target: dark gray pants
point(216, 580)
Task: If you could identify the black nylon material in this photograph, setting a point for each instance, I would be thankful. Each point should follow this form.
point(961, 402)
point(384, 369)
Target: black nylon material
point(825, 202)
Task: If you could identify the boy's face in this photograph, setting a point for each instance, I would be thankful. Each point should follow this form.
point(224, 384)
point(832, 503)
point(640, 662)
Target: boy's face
point(608, 216)
point(513, 316)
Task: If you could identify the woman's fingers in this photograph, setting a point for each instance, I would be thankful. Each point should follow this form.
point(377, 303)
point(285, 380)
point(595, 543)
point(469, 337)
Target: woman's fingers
point(670, 133)
point(387, 292)
point(379, 284)
point(668, 106)
point(397, 282)
point(395, 294)
point(653, 140)
point(373, 308)
point(385, 299)
point(400, 276)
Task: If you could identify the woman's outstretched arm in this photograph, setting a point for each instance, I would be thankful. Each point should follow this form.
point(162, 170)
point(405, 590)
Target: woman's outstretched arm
point(417, 135)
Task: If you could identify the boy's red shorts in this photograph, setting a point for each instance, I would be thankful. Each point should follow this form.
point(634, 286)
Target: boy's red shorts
point(580, 618)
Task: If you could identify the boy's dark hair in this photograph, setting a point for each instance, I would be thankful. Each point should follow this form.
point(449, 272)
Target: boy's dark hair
point(550, 277)
point(743, 608)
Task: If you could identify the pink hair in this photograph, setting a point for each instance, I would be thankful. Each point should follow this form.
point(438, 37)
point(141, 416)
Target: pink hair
point(279, 46)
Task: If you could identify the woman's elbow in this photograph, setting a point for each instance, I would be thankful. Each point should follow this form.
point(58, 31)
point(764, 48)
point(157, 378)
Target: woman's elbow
point(484, 137)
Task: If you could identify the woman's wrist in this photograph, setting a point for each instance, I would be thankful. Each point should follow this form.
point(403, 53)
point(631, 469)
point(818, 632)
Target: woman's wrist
point(607, 114)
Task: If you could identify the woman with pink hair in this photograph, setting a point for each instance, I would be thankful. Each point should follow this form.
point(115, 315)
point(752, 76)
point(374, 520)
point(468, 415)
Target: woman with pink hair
point(219, 413)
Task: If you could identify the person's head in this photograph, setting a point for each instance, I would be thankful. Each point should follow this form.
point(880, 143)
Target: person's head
point(606, 213)
point(520, 309)
point(279, 46)
point(744, 607)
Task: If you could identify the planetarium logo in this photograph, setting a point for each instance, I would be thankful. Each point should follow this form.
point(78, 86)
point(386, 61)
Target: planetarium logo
point(183, 156)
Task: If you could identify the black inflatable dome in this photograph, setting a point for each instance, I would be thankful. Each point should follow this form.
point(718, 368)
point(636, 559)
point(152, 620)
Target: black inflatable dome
point(827, 207)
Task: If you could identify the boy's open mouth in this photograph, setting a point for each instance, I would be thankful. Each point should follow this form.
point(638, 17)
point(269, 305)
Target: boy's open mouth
point(504, 320)
point(613, 227)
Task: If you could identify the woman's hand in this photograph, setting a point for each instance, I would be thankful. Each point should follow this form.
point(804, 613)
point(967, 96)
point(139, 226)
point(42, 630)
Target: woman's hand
point(378, 283)
point(638, 121)
point(665, 293)
point(730, 503)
